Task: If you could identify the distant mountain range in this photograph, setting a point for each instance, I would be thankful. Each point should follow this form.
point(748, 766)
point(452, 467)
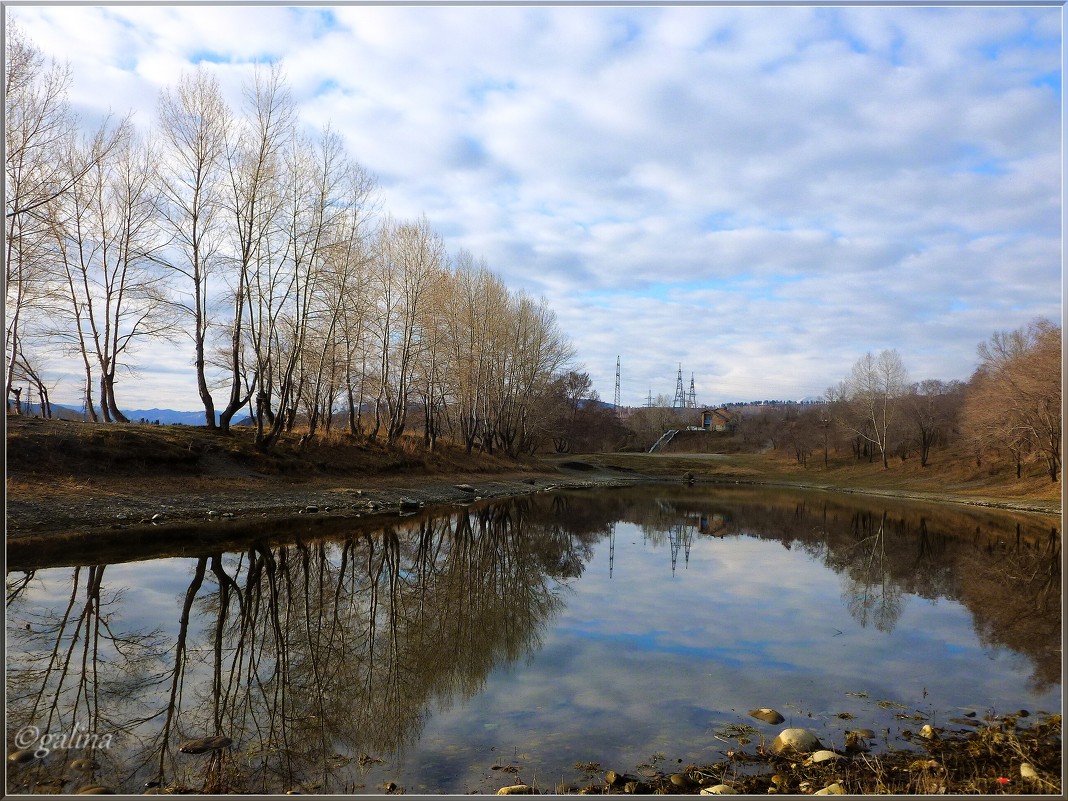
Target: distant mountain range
point(161, 416)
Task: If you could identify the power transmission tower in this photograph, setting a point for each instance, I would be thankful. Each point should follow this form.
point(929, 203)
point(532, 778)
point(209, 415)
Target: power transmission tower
point(680, 393)
point(649, 400)
point(619, 409)
point(691, 399)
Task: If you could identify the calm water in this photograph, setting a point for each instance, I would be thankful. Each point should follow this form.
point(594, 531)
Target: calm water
point(502, 642)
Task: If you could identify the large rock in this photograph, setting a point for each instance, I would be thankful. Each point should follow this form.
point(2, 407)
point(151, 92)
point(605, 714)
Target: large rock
point(795, 741)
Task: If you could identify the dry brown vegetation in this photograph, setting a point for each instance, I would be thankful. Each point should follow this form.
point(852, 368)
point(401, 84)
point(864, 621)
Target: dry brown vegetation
point(45, 455)
point(951, 475)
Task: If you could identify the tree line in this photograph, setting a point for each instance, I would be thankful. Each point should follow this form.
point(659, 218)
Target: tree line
point(265, 247)
point(1010, 407)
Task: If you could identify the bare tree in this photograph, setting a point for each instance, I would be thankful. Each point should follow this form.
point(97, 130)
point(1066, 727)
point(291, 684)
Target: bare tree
point(931, 409)
point(1014, 397)
point(106, 230)
point(193, 126)
point(873, 390)
point(313, 218)
point(477, 299)
point(254, 168)
point(38, 126)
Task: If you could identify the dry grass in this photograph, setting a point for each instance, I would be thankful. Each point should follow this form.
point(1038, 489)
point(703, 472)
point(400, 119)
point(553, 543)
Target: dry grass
point(56, 456)
point(951, 473)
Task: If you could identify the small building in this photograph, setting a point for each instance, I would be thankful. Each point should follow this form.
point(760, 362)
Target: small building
point(717, 420)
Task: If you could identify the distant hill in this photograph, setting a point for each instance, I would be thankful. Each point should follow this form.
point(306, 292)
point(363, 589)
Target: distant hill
point(161, 416)
point(167, 416)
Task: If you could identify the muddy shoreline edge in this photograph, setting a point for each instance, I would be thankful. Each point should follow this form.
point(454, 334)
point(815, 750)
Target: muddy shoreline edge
point(43, 533)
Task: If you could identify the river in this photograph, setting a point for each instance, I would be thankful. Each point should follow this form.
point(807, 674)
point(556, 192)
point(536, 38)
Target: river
point(466, 648)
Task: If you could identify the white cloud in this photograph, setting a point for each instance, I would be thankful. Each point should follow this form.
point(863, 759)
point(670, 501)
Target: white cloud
point(818, 181)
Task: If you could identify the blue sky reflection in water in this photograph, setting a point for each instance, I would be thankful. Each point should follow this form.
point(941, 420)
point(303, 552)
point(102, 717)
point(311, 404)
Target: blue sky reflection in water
point(652, 659)
point(812, 604)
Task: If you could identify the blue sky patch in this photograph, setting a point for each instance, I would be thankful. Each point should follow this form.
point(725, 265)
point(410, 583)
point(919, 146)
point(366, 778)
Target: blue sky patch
point(209, 56)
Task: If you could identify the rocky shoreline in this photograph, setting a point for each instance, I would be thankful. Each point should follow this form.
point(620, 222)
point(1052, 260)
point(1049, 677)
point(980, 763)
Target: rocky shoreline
point(995, 755)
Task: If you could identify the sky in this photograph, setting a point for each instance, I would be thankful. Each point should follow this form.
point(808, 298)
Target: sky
point(758, 196)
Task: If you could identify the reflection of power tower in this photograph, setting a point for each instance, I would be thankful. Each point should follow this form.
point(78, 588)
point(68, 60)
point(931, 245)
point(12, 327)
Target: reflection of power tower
point(619, 410)
point(611, 551)
point(680, 537)
point(691, 399)
point(680, 393)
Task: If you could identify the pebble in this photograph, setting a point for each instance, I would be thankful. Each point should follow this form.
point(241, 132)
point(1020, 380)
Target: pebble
point(831, 789)
point(767, 715)
point(24, 756)
point(95, 789)
point(821, 756)
point(517, 789)
point(202, 745)
point(611, 777)
point(1028, 771)
point(719, 789)
point(681, 780)
point(928, 732)
point(85, 764)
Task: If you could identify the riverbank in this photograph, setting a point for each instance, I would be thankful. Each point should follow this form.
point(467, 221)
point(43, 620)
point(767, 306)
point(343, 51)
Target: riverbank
point(122, 490)
point(949, 482)
point(72, 482)
point(1012, 754)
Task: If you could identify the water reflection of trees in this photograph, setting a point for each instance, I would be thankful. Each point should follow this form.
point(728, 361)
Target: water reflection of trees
point(312, 656)
point(315, 656)
point(1005, 567)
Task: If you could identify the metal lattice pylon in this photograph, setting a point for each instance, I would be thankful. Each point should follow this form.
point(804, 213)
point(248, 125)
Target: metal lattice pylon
point(680, 393)
point(619, 409)
point(691, 399)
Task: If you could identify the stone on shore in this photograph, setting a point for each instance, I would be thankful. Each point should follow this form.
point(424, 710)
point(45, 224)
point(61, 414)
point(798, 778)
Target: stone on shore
point(517, 789)
point(831, 789)
point(681, 780)
point(791, 741)
point(821, 756)
point(719, 789)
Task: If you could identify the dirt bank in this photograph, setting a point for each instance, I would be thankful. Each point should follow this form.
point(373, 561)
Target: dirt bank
point(80, 486)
